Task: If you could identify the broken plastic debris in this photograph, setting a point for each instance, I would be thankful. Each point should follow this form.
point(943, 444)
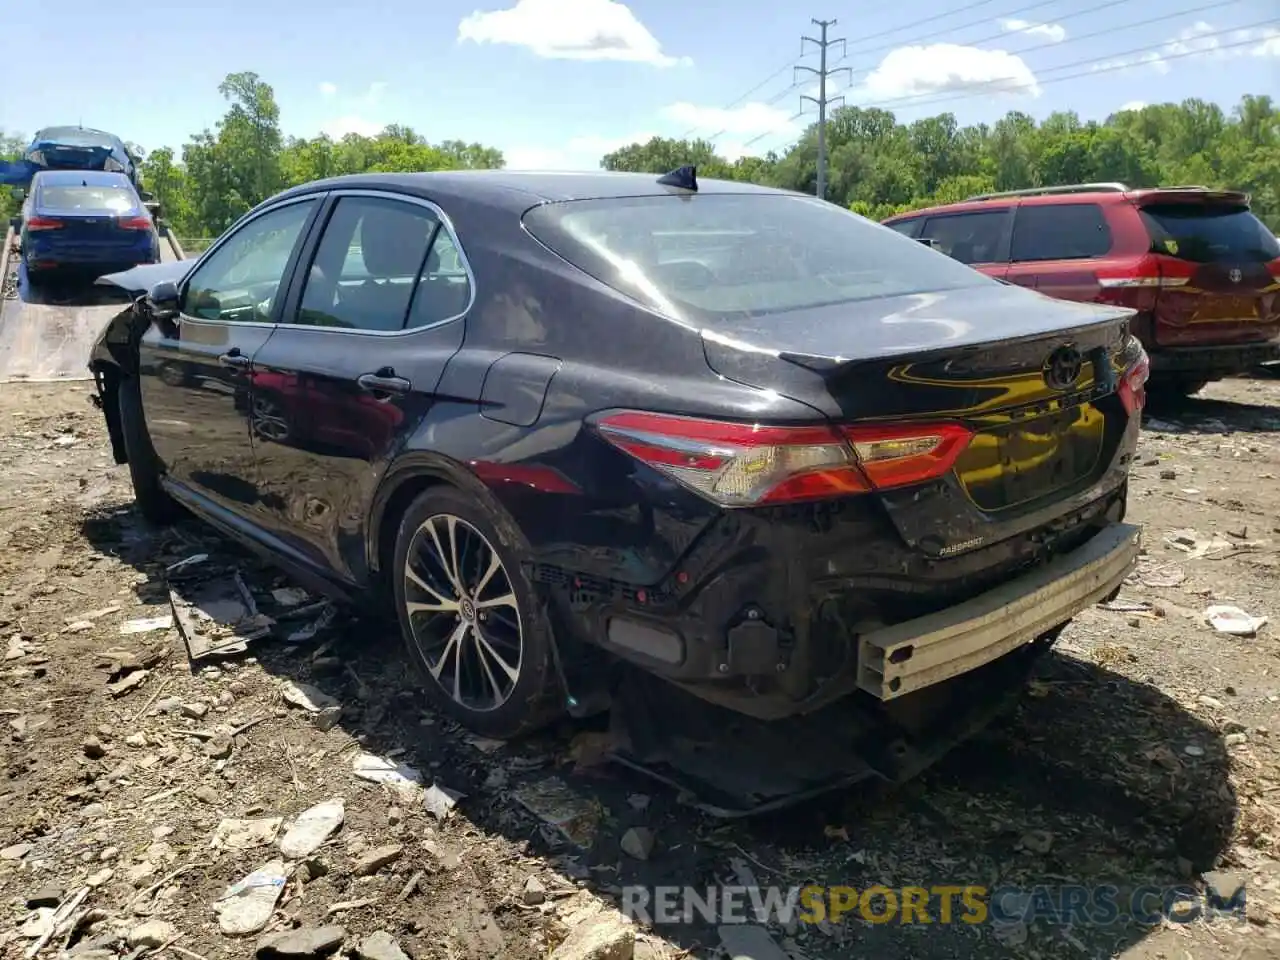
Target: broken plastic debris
point(190, 561)
point(312, 828)
point(556, 805)
point(381, 770)
point(1122, 605)
point(147, 624)
point(440, 801)
point(1232, 620)
point(307, 697)
point(247, 906)
point(289, 596)
point(308, 632)
point(233, 834)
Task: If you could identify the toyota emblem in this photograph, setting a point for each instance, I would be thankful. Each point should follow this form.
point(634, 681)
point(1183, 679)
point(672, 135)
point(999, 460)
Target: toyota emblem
point(1235, 276)
point(1063, 367)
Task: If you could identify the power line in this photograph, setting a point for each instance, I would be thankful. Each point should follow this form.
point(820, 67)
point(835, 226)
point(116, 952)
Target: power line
point(919, 39)
point(822, 73)
point(884, 33)
point(1134, 52)
point(1113, 68)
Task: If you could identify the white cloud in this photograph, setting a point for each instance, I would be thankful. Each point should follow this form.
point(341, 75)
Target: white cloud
point(1053, 32)
point(569, 30)
point(1133, 105)
point(328, 89)
point(375, 91)
point(339, 127)
point(945, 68)
point(1203, 41)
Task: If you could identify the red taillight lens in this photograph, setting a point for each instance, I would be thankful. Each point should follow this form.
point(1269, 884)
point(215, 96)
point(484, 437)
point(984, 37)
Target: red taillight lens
point(44, 223)
point(1274, 269)
point(1133, 384)
point(134, 223)
point(1152, 271)
point(738, 464)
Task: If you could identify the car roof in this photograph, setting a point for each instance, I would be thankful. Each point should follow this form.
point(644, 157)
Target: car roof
point(88, 178)
point(520, 189)
point(85, 132)
point(1103, 197)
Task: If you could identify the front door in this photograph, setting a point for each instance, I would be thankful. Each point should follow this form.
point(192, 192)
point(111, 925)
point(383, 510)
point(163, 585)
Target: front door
point(196, 371)
point(979, 238)
point(352, 369)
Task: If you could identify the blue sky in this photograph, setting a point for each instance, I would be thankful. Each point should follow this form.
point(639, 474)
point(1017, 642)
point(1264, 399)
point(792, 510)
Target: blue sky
point(557, 83)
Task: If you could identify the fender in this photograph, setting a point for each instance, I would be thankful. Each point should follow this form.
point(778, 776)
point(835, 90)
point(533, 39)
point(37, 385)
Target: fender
point(117, 344)
point(411, 466)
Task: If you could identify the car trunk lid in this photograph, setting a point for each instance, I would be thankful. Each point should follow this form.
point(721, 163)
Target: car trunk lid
point(1214, 269)
point(68, 156)
point(1035, 381)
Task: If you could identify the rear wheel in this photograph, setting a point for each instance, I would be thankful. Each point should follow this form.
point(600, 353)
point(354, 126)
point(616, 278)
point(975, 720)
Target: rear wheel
point(153, 503)
point(471, 619)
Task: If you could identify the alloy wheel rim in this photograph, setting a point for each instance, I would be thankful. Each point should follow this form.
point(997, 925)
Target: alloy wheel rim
point(463, 613)
point(268, 423)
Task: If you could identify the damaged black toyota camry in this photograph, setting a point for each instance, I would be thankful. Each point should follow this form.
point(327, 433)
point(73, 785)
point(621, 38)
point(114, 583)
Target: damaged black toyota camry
point(819, 482)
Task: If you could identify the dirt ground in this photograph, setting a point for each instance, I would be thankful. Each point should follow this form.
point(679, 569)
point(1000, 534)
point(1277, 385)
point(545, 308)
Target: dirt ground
point(1145, 752)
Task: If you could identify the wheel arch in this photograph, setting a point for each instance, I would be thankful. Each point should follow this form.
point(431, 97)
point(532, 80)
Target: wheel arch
point(409, 476)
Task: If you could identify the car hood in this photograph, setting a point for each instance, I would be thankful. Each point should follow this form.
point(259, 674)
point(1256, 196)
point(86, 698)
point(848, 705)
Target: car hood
point(139, 280)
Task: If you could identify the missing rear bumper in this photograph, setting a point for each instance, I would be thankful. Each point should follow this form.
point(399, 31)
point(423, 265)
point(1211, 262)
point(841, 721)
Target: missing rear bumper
point(909, 656)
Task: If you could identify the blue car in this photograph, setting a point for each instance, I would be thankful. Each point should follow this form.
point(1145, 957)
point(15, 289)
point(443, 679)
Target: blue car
point(85, 220)
point(80, 148)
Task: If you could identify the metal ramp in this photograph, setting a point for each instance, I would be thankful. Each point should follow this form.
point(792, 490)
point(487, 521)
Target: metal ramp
point(46, 337)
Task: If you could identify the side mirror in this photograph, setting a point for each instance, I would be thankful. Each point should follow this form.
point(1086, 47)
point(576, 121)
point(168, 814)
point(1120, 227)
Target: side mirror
point(163, 300)
point(929, 242)
point(18, 194)
point(146, 196)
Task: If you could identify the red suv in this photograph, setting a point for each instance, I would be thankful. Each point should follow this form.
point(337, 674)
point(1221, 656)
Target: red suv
point(1201, 270)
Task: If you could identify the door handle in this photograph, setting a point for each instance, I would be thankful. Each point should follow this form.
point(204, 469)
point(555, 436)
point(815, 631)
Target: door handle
point(384, 381)
point(234, 358)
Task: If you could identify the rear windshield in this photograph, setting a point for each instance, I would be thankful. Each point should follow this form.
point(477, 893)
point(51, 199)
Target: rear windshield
point(85, 199)
point(1209, 234)
point(74, 137)
point(734, 254)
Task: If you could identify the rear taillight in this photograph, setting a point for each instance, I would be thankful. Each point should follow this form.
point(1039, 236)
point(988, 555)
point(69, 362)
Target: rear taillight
point(134, 223)
point(739, 464)
point(1274, 269)
point(44, 223)
point(1133, 384)
point(1149, 272)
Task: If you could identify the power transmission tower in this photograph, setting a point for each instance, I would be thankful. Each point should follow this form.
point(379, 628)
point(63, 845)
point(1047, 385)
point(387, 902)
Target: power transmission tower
point(822, 73)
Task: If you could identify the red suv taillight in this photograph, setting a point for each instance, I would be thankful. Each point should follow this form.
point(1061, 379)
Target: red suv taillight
point(43, 223)
point(741, 464)
point(1133, 384)
point(1152, 271)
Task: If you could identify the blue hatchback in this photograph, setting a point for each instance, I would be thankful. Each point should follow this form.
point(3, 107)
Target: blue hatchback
point(85, 220)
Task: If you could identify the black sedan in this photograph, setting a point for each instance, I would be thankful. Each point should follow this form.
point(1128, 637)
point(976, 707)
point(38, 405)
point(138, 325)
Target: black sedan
point(573, 424)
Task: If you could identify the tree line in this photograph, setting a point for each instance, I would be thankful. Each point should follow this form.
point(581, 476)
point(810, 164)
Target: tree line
point(876, 165)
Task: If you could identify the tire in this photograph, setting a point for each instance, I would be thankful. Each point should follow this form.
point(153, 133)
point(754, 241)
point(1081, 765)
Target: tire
point(156, 506)
point(483, 703)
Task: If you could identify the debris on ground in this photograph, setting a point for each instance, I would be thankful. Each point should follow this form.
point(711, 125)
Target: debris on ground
point(1228, 619)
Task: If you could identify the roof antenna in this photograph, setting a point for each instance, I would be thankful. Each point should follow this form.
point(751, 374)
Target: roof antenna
point(685, 178)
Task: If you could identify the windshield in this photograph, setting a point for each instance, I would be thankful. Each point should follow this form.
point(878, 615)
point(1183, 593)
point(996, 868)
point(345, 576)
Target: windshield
point(75, 137)
point(84, 199)
point(1209, 234)
point(741, 254)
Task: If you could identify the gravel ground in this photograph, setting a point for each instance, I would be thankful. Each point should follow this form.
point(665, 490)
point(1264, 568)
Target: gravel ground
point(1143, 754)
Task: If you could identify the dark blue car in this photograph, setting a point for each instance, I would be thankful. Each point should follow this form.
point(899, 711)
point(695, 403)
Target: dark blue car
point(85, 220)
point(80, 148)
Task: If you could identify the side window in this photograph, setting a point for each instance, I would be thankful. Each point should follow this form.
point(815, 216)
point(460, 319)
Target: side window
point(444, 291)
point(1060, 231)
point(908, 228)
point(968, 237)
point(241, 280)
point(368, 265)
